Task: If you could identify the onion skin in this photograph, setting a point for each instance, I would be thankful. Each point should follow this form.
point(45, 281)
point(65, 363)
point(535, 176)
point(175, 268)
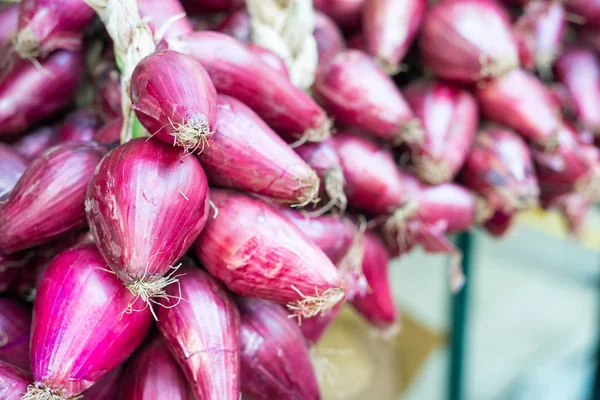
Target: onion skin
point(499, 168)
point(271, 59)
point(449, 203)
point(12, 166)
point(333, 234)
point(257, 252)
point(358, 93)
point(588, 9)
point(233, 69)
point(373, 183)
point(110, 134)
point(499, 224)
point(245, 154)
point(202, 333)
point(30, 94)
point(9, 19)
point(275, 363)
point(377, 305)
point(573, 165)
point(162, 14)
point(107, 387)
point(520, 101)
point(579, 70)
point(48, 25)
point(540, 30)
point(32, 145)
point(451, 40)
point(15, 324)
point(314, 328)
point(389, 28)
point(346, 13)
point(141, 191)
point(237, 25)
point(153, 371)
point(329, 38)
point(48, 199)
point(14, 381)
point(174, 99)
point(449, 117)
point(81, 329)
point(79, 126)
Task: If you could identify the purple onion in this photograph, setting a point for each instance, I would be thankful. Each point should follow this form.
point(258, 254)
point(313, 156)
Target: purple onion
point(32, 145)
point(13, 382)
point(12, 167)
point(15, 324)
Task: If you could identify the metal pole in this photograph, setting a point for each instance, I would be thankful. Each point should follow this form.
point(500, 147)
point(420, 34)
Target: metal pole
point(459, 322)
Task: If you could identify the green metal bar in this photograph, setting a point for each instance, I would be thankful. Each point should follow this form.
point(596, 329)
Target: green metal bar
point(459, 322)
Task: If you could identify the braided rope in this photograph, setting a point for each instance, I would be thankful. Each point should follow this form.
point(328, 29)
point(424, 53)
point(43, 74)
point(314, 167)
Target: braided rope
point(286, 27)
point(132, 40)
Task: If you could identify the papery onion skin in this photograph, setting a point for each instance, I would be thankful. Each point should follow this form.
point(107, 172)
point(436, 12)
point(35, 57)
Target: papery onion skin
point(233, 69)
point(579, 71)
point(245, 154)
point(81, 328)
point(377, 306)
point(257, 252)
point(151, 371)
point(165, 14)
point(274, 359)
point(499, 167)
point(29, 93)
point(174, 99)
point(449, 116)
point(200, 324)
point(14, 381)
point(49, 198)
point(389, 28)
point(15, 324)
point(520, 101)
point(354, 90)
point(373, 183)
point(452, 40)
point(141, 191)
point(12, 166)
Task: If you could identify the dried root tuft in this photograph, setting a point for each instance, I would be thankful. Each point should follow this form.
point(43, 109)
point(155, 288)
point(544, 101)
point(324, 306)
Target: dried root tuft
point(430, 170)
point(309, 189)
point(26, 45)
point(311, 306)
point(317, 134)
point(334, 187)
point(35, 392)
point(395, 228)
point(191, 136)
point(589, 186)
point(410, 133)
point(483, 210)
point(493, 69)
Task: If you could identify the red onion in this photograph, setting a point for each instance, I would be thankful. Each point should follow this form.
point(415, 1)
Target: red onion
point(346, 13)
point(323, 159)
point(141, 191)
point(245, 154)
point(12, 166)
point(48, 199)
point(48, 25)
point(110, 134)
point(83, 326)
point(10, 269)
point(9, 19)
point(108, 93)
point(32, 145)
point(389, 28)
point(154, 372)
point(588, 9)
point(202, 332)
point(358, 93)
point(499, 224)
point(237, 25)
point(14, 382)
point(275, 363)
point(174, 98)
point(579, 70)
point(166, 17)
point(271, 59)
point(314, 328)
point(30, 93)
point(79, 126)
point(520, 101)
point(377, 305)
point(234, 69)
point(106, 388)
point(540, 30)
point(329, 38)
point(373, 183)
point(449, 118)
point(468, 40)
point(573, 166)
point(333, 234)
point(15, 324)
point(589, 36)
point(257, 252)
point(499, 168)
point(562, 99)
point(210, 6)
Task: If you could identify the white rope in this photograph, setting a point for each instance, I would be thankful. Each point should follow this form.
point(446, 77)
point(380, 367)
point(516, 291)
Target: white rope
point(132, 40)
point(286, 28)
